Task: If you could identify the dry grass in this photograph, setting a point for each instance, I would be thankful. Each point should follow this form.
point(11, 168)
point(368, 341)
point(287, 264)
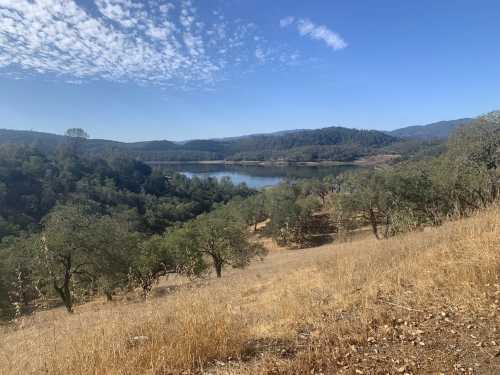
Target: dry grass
point(425, 302)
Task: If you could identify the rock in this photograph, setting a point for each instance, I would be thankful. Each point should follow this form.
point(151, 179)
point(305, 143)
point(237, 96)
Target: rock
point(138, 340)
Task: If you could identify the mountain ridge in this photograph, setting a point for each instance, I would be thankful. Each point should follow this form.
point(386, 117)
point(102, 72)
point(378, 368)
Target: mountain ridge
point(329, 143)
point(435, 130)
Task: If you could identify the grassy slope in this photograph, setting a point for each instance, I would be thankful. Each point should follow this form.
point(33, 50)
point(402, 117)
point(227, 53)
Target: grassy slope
point(425, 302)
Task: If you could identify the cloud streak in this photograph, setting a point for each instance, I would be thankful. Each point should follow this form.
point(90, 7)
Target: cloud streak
point(147, 42)
point(307, 28)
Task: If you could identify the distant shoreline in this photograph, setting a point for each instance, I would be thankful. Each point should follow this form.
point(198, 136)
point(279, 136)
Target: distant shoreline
point(368, 161)
point(255, 163)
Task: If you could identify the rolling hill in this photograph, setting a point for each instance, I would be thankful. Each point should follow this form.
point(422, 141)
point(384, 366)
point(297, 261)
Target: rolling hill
point(437, 130)
point(333, 143)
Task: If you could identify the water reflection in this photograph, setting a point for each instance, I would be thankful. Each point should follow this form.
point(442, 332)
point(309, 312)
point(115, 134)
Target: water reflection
point(255, 176)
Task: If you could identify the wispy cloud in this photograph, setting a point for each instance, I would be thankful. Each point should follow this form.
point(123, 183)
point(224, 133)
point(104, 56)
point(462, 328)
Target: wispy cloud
point(148, 42)
point(287, 21)
point(316, 32)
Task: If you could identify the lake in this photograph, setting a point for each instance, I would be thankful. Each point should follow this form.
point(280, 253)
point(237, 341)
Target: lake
point(255, 176)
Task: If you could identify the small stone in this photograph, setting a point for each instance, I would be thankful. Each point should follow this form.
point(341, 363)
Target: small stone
point(138, 340)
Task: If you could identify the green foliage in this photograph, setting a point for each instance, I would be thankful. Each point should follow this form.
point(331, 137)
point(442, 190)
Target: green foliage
point(251, 210)
point(217, 239)
point(32, 183)
point(115, 245)
point(76, 133)
point(74, 226)
point(334, 143)
point(291, 215)
point(65, 252)
point(223, 237)
point(415, 193)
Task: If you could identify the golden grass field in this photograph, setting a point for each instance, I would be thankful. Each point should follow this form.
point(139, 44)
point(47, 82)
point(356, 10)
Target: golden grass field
point(422, 303)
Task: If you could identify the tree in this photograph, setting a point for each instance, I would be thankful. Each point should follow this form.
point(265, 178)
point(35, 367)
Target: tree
point(76, 133)
point(114, 247)
point(5, 281)
point(17, 289)
point(174, 252)
point(316, 187)
point(479, 144)
point(363, 195)
point(223, 237)
point(252, 210)
point(65, 252)
point(75, 139)
point(291, 216)
point(480, 141)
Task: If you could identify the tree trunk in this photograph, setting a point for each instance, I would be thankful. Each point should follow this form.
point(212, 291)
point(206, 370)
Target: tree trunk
point(387, 227)
point(218, 267)
point(65, 294)
point(373, 222)
point(109, 295)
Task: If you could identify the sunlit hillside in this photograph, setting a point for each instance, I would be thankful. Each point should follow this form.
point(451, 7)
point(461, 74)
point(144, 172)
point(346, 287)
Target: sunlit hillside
point(425, 302)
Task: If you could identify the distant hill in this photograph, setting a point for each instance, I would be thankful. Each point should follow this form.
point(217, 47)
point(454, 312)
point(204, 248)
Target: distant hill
point(278, 133)
point(492, 116)
point(43, 141)
point(333, 143)
point(437, 130)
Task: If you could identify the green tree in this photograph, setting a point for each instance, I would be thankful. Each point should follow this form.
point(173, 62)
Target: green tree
point(224, 238)
point(316, 187)
point(5, 287)
point(363, 194)
point(291, 216)
point(76, 138)
point(252, 210)
point(64, 251)
point(114, 247)
point(174, 252)
point(479, 144)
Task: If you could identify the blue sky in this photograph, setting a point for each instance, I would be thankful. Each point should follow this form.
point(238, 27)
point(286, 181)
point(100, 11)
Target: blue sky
point(178, 69)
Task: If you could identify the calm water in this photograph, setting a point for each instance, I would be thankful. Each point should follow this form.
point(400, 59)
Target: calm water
point(256, 177)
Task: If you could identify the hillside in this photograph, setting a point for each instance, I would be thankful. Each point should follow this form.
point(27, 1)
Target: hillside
point(434, 131)
point(334, 143)
point(425, 302)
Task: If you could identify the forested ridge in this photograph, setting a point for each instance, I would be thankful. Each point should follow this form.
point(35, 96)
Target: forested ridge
point(327, 144)
point(74, 226)
point(434, 131)
point(334, 143)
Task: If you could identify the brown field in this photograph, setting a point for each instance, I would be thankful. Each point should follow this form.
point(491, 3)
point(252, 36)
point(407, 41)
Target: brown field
point(422, 303)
